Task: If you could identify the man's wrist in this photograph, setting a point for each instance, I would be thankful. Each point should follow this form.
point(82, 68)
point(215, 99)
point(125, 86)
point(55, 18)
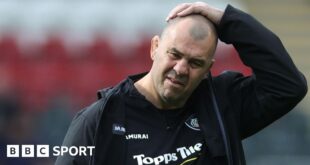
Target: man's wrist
point(215, 15)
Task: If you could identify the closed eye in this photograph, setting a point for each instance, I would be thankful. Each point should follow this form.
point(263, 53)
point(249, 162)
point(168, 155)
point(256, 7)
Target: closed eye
point(195, 63)
point(174, 55)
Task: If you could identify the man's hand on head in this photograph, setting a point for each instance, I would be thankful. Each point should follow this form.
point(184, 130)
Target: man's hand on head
point(213, 14)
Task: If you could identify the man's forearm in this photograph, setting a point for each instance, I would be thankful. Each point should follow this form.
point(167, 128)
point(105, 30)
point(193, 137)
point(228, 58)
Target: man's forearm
point(261, 50)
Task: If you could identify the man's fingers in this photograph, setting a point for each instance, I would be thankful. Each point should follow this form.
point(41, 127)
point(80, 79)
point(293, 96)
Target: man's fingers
point(210, 12)
point(187, 11)
point(173, 13)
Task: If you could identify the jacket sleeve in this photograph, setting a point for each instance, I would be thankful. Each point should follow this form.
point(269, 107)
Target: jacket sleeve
point(276, 85)
point(81, 132)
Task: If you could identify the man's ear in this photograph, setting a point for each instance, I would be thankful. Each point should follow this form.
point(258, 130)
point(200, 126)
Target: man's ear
point(154, 46)
point(211, 63)
point(209, 67)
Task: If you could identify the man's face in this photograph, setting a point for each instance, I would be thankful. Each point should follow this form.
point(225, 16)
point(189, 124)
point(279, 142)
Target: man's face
point(180, 62)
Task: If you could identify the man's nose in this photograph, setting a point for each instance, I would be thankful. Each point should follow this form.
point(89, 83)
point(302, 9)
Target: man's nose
point(181, 67)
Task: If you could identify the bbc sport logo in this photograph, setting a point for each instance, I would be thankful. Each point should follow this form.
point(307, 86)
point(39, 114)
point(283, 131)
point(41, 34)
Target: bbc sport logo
point(41, 151)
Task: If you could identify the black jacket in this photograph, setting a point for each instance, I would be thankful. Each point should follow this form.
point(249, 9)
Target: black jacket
point(247, 104)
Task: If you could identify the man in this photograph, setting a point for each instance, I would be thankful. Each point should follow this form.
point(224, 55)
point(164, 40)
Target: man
point(169, 115)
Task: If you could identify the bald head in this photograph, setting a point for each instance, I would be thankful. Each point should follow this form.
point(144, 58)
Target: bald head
point(196, 26)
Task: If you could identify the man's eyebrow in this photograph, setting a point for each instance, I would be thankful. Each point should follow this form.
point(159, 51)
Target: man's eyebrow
point(176, 51)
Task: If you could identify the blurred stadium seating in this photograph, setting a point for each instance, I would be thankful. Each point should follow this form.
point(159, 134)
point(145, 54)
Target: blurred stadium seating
point(53, 70)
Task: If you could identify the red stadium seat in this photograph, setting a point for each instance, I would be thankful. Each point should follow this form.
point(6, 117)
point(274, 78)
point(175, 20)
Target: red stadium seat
point(101, 51)
point(9, 51)
point(41, 76)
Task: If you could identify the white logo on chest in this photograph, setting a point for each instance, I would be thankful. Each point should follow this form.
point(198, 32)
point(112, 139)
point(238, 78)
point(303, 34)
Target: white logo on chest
point(137, 136)
point(192, 123)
